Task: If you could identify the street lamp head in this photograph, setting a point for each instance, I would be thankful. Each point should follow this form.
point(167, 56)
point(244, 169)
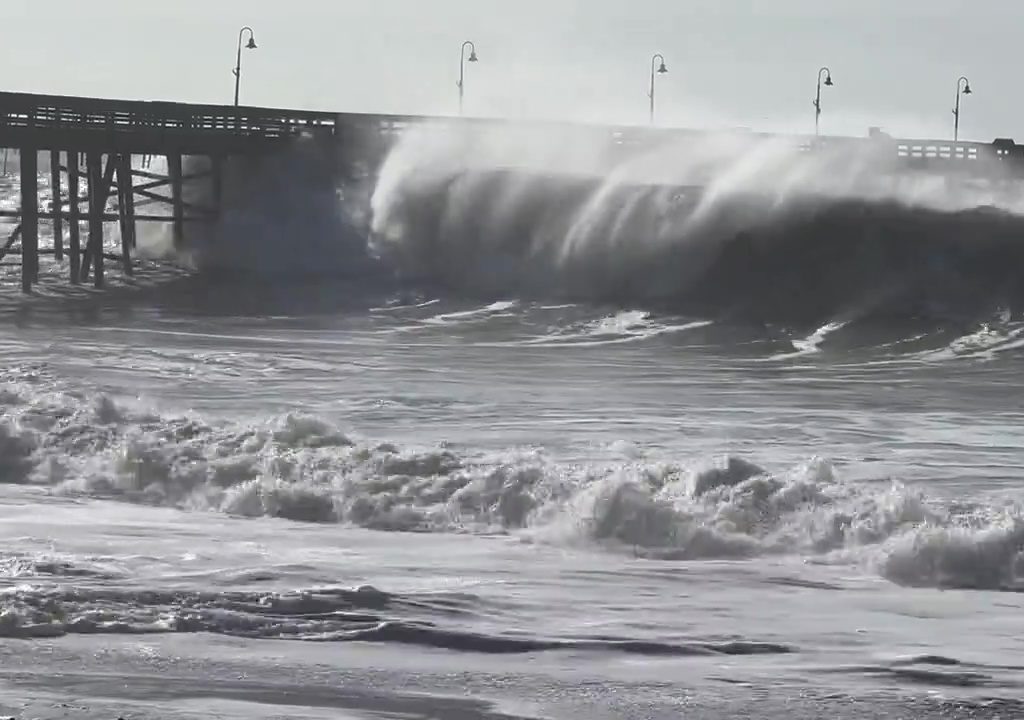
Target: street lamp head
point(473, 57)
point(252, 43)
point(967, 89)
point(828, 80)
point(662, 69)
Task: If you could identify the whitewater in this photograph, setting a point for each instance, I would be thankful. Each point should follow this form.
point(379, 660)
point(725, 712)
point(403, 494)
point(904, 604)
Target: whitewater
point(521, 428)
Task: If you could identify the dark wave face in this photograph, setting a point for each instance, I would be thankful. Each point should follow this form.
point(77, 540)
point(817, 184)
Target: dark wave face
point(737, 230)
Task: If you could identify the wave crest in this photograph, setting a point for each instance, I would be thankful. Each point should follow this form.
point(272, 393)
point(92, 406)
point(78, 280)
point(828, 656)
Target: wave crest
point(721, 225)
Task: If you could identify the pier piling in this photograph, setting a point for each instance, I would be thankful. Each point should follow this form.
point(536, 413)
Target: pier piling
point(126, 216)
point(100, 182)
point(57, 203)
point(97, 140)
point(97, 202)
point(74, 230)
point(29, 171)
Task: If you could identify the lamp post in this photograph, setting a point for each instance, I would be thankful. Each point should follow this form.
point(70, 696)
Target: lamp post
point(462, 68)
point(656, 69)
point(963, 87)
point(251, 45)
point(817, 99)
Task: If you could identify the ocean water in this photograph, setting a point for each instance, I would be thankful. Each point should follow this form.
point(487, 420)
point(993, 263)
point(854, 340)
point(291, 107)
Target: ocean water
point(512, 442)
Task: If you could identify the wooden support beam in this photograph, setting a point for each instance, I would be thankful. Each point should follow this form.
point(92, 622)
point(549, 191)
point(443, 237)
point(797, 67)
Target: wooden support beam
point(146, 202)
point(166, 178)
point(97, 211)
point(141, 186)
point(74, 229)
point(10, 241)
point(152, 184)
point(29, 172)
point(55, 194)
point(127, 220)
point(150, 175)
point(94, 250)
point(144, 186)
point(154, 197)
point(113, 216)
point(174, 170)
point(133, 226)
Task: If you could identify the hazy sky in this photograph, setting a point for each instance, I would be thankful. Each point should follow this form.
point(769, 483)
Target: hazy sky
point(750, 63)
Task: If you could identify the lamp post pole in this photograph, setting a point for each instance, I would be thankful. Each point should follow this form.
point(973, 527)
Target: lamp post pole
point(963, 87)
point(238, 61)
point(656, 69)
point(462, 68)
point(817, 99)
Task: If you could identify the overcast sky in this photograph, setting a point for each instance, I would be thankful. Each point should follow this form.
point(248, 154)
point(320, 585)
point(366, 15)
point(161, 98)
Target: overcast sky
point(750, 63)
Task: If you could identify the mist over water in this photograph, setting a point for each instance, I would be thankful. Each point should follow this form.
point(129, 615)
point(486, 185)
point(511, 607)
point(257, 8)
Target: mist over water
point(714, 224)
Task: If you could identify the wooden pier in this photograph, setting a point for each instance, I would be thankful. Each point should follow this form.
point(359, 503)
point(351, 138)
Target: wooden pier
point(99, 154)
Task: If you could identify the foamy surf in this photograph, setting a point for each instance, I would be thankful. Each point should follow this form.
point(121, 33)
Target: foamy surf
point(305, 469)
point(624, 327)
point(495, 309)
point(811, 344)
point(985, 343)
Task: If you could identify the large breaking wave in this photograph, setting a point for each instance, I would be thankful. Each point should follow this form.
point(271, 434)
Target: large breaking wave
point(717, 224)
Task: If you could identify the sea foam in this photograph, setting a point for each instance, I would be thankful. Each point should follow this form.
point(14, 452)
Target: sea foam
point(306, 469)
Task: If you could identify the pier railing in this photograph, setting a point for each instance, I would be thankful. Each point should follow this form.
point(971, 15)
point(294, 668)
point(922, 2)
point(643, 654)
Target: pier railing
point(58, 122)
point(45, 121)
point(42, 118)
